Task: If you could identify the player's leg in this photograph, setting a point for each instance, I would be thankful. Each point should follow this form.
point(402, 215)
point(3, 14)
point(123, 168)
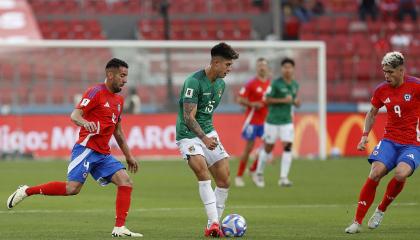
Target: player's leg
point(220, 172)
point(287, 136)
point(270, 135)
point(407, 164)
point(122, 204)
point(77, 171)
point(367, 195)
point(239, 182)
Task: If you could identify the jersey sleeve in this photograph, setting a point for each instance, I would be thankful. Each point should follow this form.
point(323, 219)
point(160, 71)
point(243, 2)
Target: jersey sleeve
point(89, 100)
point(376, 101)
point(245, 90)
point(271, 90)
point(190, 91)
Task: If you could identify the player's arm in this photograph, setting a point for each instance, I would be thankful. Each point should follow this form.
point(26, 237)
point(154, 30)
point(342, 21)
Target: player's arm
point(190, 109)
point(246, 103)
point(369, 121)
point(272, 100)
point(122, 143)
point(77, 117)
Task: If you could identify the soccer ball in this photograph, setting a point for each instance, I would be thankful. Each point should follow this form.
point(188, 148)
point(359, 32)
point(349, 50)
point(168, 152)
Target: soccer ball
point(234, 225)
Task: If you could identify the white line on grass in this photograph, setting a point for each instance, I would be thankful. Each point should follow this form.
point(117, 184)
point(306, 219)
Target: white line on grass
point(196, 208)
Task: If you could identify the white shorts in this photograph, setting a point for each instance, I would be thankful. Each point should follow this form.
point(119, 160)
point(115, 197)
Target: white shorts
point(284, 132)
point(194, 146)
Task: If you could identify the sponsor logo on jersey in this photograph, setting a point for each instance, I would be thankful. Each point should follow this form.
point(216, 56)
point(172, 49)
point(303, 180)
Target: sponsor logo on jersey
point(407, 97)
point(387, 100)
point(106, 104)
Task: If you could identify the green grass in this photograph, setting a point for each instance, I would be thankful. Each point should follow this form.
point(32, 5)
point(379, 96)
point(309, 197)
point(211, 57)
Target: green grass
point(166, 204)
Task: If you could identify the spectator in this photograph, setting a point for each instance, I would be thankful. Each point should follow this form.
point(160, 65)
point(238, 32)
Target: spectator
point(389, 9)
point(290, 24)
point(407, 7)
point(317, 7)
point(132, 102)
point(368, 7)
point(300, 11)
point(400, 41)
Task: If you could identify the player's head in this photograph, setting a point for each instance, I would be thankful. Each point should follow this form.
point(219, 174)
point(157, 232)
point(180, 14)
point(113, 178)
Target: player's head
point(287, 68)
point(222, 56)
point(393, 67)
point(116, 74)
point(263, 69)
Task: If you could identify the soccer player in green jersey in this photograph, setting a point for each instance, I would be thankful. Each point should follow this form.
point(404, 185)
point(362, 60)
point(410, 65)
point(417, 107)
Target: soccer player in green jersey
point(281, 97)
point(196, 137)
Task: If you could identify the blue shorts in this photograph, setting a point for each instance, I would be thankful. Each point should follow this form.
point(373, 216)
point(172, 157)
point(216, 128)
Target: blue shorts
point(391, 154)
point(252, 131)
point(85, 160)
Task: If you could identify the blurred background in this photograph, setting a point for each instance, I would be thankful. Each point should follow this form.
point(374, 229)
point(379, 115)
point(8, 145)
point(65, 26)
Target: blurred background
point(40, 85)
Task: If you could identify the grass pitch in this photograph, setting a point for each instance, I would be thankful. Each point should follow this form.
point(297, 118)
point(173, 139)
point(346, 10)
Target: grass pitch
point(166, 204)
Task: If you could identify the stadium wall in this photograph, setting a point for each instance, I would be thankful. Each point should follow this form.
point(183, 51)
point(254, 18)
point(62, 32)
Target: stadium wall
point(154, 135)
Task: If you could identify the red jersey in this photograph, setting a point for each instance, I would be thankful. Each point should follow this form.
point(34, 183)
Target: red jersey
point(403, 110)
point(103, 107)
point(254, 91)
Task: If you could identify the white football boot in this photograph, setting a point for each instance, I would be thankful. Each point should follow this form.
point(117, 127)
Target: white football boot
point(355, 227)
point(258, 180)
point(285, 182)
point(124, 232)
point(376, 219)
point(17, 196)
point(239, 182)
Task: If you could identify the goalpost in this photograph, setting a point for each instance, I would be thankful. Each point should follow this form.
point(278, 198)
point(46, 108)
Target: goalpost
point(166, 63)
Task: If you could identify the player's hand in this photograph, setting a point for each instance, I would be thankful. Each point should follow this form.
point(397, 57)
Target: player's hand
point(288, 99)
point(362, 144)
point(211, 143)
point(90, 126)
point(257, 105)
point(133, 165)
point(296, 102)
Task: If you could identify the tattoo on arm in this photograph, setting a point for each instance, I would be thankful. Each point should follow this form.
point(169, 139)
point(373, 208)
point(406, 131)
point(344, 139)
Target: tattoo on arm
point(189, 116)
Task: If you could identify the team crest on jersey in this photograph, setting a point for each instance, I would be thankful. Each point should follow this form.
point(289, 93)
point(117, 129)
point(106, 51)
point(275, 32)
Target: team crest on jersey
point(407, 97)
point(191, 149)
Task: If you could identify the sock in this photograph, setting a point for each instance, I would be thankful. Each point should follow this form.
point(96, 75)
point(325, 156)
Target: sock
point(262, 159)
point(254, 165)
point(286, 162)
point(209, 200)
point(50, 189)
point(221, 196)
point(367, 195)
point(392, 190)
point(241, 167)
point(122, 204)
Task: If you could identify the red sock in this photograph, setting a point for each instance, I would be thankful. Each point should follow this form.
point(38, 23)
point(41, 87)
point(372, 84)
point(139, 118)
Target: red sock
point(392, 190)
point(50, 189)
point(122, 204)
point(254, 165)
point(367, 195)
point(241, 167)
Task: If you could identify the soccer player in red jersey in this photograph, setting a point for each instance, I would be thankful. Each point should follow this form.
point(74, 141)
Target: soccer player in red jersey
point(99, 116)
point(400, 146)
point(251, 96)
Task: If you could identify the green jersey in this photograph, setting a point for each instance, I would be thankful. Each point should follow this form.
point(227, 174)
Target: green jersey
point(198, 89)
point(281, 113)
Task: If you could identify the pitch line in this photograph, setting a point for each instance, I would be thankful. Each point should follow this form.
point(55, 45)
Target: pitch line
point(296, 206)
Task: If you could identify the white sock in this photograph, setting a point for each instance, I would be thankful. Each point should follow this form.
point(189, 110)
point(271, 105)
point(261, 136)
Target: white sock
point(221, 196)
point(262, 159)
point(209, 200)
point(286, 162)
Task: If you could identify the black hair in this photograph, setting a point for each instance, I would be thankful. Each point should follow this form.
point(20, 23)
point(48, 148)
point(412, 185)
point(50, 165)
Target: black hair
point(224, 50)
point(116, 63)
point(287, 60)
point(261, 59)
